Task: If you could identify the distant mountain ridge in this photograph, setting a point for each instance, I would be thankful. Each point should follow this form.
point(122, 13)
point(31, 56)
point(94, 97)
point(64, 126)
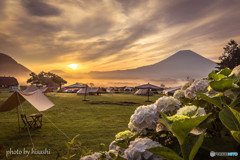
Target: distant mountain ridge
point(180, 65)
point(9, 67)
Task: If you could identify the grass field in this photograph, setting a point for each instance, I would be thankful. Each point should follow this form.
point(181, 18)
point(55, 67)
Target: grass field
point(97, 121)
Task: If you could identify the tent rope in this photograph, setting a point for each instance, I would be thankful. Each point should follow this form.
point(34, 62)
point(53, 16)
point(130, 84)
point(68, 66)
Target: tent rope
point(56, 127)
point(27, 125)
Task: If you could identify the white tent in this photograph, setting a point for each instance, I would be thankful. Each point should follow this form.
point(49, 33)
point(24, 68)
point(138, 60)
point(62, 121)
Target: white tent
point(31, 88)
point(36, 98)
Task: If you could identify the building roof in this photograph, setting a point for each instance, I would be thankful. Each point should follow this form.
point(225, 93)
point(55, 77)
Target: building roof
point(8, 81)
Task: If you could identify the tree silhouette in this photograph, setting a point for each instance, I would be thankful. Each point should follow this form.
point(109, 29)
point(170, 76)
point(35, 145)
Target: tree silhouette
point(230, 57)
point(46, 78)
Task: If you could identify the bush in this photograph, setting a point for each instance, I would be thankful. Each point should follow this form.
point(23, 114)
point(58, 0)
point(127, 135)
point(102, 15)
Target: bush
point(205, 118)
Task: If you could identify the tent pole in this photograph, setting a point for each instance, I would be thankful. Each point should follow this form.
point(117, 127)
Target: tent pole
point(85, 94)
point(148, 94)
point(18, 121)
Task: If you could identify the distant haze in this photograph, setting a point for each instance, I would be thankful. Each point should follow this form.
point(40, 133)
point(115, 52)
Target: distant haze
point(172, 71)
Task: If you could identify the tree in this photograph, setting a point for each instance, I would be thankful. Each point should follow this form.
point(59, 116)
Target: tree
point(230, 57)
point(46, 78)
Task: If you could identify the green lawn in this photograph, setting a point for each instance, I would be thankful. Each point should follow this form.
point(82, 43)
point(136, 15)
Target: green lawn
point(97, 121)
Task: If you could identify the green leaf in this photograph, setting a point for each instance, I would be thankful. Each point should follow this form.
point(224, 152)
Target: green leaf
point(215, 101)
point(165, 152)
point(225, 71)
point(67, 145)
point(72, 141)
point(236, 135)
point(121, 143)
point(182, 128)
point(235, 102)
point(120, 158)
point(230, 118)
point(222, 85)
point(191, 145)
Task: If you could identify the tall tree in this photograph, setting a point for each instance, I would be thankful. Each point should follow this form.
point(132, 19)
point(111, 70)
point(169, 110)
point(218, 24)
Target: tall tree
point(46, 78)
point(230, 57)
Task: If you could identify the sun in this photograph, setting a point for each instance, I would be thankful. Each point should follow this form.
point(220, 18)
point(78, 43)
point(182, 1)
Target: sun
point(73, 66)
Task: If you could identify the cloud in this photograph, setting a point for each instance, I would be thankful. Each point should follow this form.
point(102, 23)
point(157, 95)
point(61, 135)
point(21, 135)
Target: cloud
point(40, 8)
point(105, 34)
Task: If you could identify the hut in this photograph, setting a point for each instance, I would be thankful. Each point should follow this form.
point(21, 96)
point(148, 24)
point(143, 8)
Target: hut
point(6, 82)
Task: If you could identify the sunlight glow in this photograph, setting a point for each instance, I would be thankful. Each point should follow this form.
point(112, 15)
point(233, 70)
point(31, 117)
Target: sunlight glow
point(73, 66)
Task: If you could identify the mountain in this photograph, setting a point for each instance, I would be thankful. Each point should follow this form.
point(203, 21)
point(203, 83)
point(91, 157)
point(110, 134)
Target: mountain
point(180, 65)
point(9, 67)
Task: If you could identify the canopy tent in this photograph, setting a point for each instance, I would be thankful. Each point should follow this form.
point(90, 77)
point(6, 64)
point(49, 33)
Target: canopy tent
point(76, 85)
point(36, 98)
point(89, 91)
point(143, 92)
point(171, 91)
point(33, 88)
point(30, 88)
point(147, 86)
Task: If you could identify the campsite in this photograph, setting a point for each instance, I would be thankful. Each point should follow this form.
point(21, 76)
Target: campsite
point(97, 121)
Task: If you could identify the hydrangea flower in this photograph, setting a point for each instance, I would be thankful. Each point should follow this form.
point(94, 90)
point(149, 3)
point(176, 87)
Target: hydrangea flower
point(175, 118)
point(144, 117)
point(186, 85)
point(187, 111)
point(201, 112)
point(94, 156)
point(236, 71)
point(197, 86)
point(178, 94)
point(167, 104)
point(124, 135)
point(112, 146)
point(137, 150)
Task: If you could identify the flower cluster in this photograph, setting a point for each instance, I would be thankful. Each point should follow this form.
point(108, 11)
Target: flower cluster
point(94, 156)
point(236, 71)
point(167, 104)
point(175, 118)
point(187, 111)
point(197, 86)
point(144, 117)
point(178, 94)
point(137, 149)
point(124, 135)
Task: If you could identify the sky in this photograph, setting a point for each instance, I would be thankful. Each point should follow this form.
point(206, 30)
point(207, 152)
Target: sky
point(104, 35)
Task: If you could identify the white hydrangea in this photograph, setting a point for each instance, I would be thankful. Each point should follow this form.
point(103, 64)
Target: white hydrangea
point(197, 86)
point(112, 146)
point(107, 154)
point(94, 156)
point(124, 135)
point(178, 94)
point(187, 111)
point(144, 117)
point(167, 104)
point(236, 71)
point(201, 112)
point(137, 150)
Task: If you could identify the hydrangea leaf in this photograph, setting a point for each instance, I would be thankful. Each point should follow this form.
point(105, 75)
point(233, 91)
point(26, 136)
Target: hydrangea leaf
point(236, 135)
point(216, 76)
point(182, 128)
point(225, 71)
point(222, 85)
point(165, 152)
point(230, 118)
point(215, 101)
point(191, 145)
